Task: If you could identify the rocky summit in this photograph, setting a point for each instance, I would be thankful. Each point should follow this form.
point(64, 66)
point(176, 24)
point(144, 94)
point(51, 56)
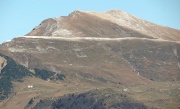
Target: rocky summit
point(92, 60)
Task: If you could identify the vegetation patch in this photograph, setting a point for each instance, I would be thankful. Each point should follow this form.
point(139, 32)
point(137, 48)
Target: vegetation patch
point(95, 99)
point(45, 75)
point(11, 72)
point(44, 104)
point(31, 101)
point(129, 105)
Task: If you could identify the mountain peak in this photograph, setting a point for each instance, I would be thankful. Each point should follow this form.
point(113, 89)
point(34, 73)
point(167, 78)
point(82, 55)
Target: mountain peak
point(120, 14)
point(115, 11)
point(75, 12)
point(113, 23)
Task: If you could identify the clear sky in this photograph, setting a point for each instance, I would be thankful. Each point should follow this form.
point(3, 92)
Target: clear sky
point(18, 17)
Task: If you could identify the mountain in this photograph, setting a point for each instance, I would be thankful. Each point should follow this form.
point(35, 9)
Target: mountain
point(113, 24)
point(105, 60)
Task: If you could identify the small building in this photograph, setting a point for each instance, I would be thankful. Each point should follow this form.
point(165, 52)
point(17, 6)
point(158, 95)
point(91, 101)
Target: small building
point(30, 86)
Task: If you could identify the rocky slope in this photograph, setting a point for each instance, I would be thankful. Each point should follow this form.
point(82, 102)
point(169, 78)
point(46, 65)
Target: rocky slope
point(112, 24)
point(84, 51)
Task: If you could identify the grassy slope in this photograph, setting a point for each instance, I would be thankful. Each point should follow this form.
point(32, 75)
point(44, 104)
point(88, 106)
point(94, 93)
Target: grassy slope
point(114, 65)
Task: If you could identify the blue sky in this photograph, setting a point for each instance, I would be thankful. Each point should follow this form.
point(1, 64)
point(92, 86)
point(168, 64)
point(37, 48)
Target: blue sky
point(18, 17)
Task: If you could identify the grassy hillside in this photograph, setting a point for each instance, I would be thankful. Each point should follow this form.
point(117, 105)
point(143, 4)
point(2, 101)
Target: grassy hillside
point(16, 72)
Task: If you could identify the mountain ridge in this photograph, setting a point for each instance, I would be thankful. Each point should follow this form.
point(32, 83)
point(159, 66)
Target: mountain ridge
point(118, 19)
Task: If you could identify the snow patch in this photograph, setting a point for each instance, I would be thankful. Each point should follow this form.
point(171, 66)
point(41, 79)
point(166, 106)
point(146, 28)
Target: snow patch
point(81, 55)
point(175, 52)
point(50, 47)
point(93, 38)
point(40, 49)
point(16, 50)
point(61, 32)
point(178, 64)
